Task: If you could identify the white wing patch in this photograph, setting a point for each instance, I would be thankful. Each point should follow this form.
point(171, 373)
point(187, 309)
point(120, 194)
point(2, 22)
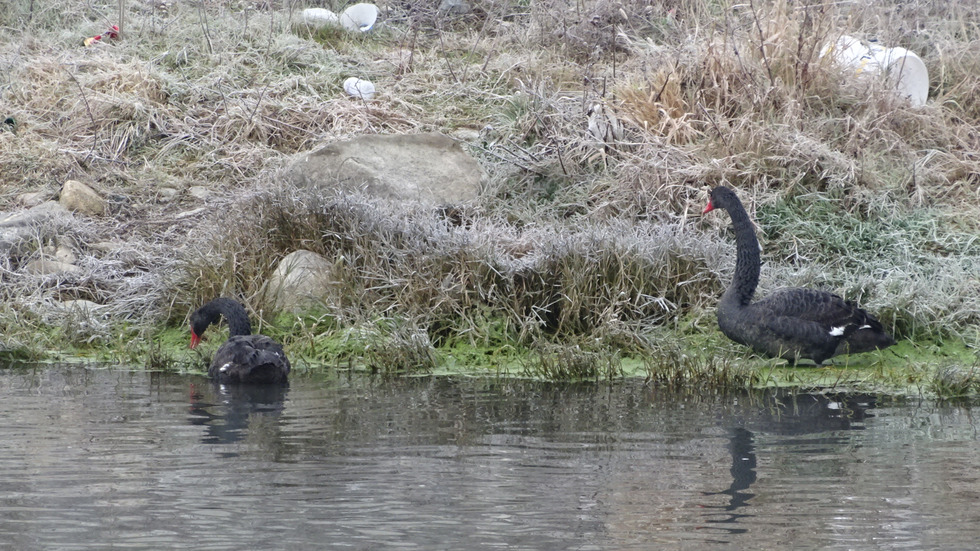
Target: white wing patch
point(837, 331)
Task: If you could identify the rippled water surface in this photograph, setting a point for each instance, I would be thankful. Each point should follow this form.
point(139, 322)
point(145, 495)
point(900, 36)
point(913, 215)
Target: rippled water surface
point(101, 458)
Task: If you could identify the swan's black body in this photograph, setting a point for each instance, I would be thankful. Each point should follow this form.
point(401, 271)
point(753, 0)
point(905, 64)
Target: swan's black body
point(244, 357)
point(791, 323)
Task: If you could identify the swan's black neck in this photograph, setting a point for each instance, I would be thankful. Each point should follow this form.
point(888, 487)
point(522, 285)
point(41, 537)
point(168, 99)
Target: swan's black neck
point(234, 313)
point(747, 259)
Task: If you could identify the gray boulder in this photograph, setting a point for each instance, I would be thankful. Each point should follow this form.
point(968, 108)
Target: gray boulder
point(428, 168)
point(301, 280)
point(38, 215)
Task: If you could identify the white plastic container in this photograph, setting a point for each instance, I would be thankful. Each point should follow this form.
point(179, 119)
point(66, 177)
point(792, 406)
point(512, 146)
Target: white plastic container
point(359, 88)
point(904, 70)
point(359, 17)
point(319, 17)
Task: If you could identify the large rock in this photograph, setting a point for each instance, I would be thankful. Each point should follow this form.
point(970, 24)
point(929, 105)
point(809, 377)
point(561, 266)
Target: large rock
point(428, 168)
point(39, 215)
point(78, 197)
point(301, 280)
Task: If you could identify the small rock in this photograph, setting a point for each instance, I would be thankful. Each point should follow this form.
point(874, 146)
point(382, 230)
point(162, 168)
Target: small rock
point(199, 192)
point(46, 266)
point(302, 279)
point(79, 197)
point(166, 194)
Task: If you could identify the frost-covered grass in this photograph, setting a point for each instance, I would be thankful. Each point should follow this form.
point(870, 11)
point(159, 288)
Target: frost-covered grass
point(602, 124)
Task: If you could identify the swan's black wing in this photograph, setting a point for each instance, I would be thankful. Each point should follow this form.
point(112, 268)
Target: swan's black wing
point(818, 306)
point(250, 359)
point(818, 325)
point(788, 337)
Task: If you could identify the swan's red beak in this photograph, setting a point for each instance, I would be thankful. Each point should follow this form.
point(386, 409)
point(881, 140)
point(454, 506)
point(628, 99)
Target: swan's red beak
point(708, 208)
point(195, 340)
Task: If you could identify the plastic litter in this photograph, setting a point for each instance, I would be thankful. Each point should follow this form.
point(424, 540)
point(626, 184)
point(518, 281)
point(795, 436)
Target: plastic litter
point(902, 68)
point(359, 17)
point(112, 33)
point(359, 88)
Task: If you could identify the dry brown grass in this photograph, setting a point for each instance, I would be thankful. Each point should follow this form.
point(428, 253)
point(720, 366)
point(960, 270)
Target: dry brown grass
point(601, 123)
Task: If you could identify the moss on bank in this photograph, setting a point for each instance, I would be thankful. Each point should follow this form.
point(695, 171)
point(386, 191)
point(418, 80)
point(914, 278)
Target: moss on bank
point(675, 360)
point(684, 357)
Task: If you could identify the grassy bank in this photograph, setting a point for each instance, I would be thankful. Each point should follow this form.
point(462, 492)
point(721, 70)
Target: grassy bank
point(601, 125)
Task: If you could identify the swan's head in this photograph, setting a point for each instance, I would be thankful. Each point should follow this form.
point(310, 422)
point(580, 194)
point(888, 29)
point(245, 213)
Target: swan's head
point(199, 323)
point(233, 312)
point(720, 198)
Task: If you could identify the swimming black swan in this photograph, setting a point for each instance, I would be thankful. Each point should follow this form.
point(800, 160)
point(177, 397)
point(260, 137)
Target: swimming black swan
point(791, 323)
point(244, 357)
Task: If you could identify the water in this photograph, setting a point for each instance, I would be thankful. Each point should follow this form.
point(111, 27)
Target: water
point(99, 459)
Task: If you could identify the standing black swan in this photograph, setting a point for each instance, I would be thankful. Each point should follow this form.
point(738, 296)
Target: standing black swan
point(790, 323)
point(244, 357)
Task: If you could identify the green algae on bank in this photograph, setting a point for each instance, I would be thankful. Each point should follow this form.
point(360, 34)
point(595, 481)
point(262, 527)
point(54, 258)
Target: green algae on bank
point(689, 357)
point(706, 363)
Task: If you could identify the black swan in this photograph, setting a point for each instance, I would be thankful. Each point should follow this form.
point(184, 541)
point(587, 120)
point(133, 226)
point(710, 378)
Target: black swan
point(244, 357)
point(790, 323)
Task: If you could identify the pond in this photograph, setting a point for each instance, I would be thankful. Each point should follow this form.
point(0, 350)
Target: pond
point(110, 458)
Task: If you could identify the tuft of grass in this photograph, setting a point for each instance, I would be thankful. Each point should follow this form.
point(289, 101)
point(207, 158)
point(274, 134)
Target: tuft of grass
point(569, 362)
point(399, 349)
point(952, 382)
point(672, 367)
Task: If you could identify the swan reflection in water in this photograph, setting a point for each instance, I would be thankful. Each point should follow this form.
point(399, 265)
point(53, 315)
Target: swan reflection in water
point(791, 415)
point(232, 412)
